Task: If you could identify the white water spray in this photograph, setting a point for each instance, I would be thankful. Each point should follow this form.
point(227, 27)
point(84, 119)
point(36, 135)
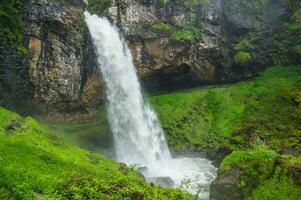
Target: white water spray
point(138, 136)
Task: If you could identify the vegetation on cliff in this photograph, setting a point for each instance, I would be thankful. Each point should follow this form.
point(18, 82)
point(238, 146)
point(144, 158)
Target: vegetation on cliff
point(265, 110)
point(36, 164)
point(11, 25)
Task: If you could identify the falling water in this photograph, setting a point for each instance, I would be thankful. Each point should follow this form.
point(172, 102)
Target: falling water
point(138, 136)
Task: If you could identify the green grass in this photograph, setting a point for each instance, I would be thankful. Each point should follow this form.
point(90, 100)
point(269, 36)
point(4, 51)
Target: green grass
point(93, 132)
point(264, 110)
point(37, 165)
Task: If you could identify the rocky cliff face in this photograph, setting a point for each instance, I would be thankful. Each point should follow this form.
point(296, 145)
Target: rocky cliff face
point(182, 43)
point(176, 44)
point(60, 52)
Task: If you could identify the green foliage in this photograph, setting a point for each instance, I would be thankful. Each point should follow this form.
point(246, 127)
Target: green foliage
point(243, 44)
point(294, 22)
point(162, 26)
point(11, 26)
point(242, 57)
point(237, 115)
point(297, 49)
point(186, 35)
point(93, 132)
point(160, 3)
point(279, 187)
point(22, 51)
point(98, 6)
point(189, 3)
point(37, 165)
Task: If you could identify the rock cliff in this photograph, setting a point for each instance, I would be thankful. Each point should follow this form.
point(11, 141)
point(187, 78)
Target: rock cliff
point(176, 44)
point(59, 56)
point(184, 43)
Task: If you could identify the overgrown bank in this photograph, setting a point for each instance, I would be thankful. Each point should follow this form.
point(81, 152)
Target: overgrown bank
point(35, 164)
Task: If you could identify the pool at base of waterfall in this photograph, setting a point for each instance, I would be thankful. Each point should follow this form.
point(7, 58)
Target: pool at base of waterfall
point(192, 174)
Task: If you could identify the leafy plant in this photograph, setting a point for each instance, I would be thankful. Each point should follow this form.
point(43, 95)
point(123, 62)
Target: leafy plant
point(242, 57)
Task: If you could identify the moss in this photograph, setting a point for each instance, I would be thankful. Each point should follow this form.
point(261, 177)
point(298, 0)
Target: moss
point(160, 3)
point(243, 44)
point(162, 26)
point(258, 178)
point(11, 25)
point(186, 35)
point(36, 164)
point(190, 3)
point(98, 6)
point(255, 164)
point(297, 49)
point(242, 57)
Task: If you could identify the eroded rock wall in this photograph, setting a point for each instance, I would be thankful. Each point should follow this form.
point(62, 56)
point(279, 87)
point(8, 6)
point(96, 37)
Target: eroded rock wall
point(182, 43)
point(60, 52)
point(175, 44)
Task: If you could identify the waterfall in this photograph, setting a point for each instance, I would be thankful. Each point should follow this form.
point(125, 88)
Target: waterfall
point(138, 136)
point(139, 139)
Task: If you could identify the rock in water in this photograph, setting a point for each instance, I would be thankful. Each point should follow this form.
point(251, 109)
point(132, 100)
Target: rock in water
point(162, 181)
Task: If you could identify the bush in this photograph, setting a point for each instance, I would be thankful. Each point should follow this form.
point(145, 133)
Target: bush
point(242, 57)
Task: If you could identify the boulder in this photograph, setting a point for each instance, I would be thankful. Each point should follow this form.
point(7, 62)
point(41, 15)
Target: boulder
point(163, 181)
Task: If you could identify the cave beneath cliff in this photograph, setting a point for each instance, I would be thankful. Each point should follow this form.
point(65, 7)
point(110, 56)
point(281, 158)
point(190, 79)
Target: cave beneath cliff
point(172, 78)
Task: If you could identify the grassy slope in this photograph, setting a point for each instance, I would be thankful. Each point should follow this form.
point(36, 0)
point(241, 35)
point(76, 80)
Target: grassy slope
point(91, 131)
point(264, 110)
point(35, 164)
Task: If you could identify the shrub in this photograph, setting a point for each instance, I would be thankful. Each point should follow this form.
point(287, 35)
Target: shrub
point(242, 57)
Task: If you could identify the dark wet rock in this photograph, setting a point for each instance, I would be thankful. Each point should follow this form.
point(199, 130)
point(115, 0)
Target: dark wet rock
point(226, 186)
point(142, 169)
point(123, 168)
point(218, 156)
point(59, 69)
point(13, 125)
point(162, 181)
